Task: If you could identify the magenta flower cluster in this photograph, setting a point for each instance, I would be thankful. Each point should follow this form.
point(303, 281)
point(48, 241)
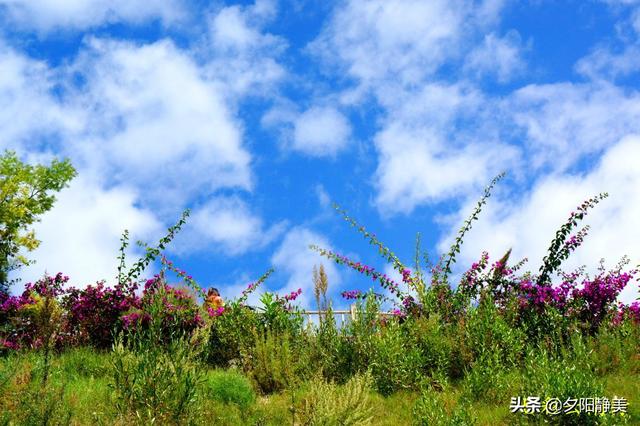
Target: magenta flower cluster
point(352, 294)
point(215, 312)
point(384, 280)
point(95, 314)
point(631, 312)
point(578, 296)
point(18, 324)
point(292, 296)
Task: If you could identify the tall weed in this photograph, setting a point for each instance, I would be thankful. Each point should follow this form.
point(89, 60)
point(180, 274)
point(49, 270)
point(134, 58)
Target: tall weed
point(327, 403)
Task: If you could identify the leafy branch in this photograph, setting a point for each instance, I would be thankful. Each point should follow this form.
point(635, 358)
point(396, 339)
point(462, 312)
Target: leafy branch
point(383, 250)
point(151, 253)
point(562, 245)
point(455, 248)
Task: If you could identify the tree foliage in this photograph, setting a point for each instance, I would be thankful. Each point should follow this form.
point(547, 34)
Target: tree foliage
point(26, 192)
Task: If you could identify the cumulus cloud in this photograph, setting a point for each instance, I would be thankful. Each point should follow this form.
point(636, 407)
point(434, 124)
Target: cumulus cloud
point(395, 51)
point(528, 223)
point(29, 110)
point(81, 234)
point(497, 56)
point(226, 224)
point(405, 40)
point(47, 15)
point(563, 122)
point(423, 153)
point(153, 118)
point(602, 63)
point(152, 110)
point(321, 131)
point(296, 260)
point(415, 169)
point(241, 53)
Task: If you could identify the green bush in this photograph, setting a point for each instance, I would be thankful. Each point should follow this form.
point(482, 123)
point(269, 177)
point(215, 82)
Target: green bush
point(395, 362)
point(615, 348)
point(327, 403)
point(431, 410)
point(271, 362)
point(549, 376)
point(487, 380)
point(232, 334)
point(153, 382)
point(351, 346)
point(230, 387)
point(437, 343)
point(487, 332)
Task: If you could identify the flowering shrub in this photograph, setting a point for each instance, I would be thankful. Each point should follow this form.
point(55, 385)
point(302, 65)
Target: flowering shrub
point(174, 311)
point(531, 301)
point(95, 312)
point(630, 312)
point(20, 315)
point(233, 327)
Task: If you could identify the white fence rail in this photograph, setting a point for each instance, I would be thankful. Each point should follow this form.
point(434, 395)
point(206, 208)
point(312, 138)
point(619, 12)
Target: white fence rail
point(343, 315)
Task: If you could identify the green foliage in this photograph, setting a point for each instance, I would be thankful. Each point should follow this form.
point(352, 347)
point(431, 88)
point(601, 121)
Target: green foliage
point(487, 380)
point(151, 253)
point(396, 362)
point(327, 403)
point(278, 316)
point(487, 332)
point(43, 406)
point(549, 376)
point(436, 343)
point(84, 362)
point(615, 348)
point(327, 349)
point(450, 258)
point(232, 334)
point(156, 375)
point(559, 250)
point(431, 409)
point(272, 361)
point(155, 383)
point(230, 387)
point(25, 194)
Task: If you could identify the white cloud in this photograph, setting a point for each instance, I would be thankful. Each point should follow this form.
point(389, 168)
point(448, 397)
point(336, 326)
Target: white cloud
point(321, 131)
point(413, 169)
point(602, 63)
point(241, 54)
point(226, 224)
point(323, 196)
point(29, 110)
point(237, 28)
point(81, 234)
point(427, 143)
point(47, 15)
point(565, 121)
point(528, 223)
point(376, 40)
point(498, 56)
point(401, 40)
point(156, 121)
point(296, 259)
point(152, 117)
point(424, 156)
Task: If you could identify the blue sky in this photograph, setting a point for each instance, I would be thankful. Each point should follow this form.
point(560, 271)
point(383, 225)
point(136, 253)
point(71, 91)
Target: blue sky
point(257, 115)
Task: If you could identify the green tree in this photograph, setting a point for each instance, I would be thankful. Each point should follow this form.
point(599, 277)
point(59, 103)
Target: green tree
point(26, 192)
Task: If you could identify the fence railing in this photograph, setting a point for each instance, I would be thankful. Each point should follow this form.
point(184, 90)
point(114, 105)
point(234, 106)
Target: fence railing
point(344, 315)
